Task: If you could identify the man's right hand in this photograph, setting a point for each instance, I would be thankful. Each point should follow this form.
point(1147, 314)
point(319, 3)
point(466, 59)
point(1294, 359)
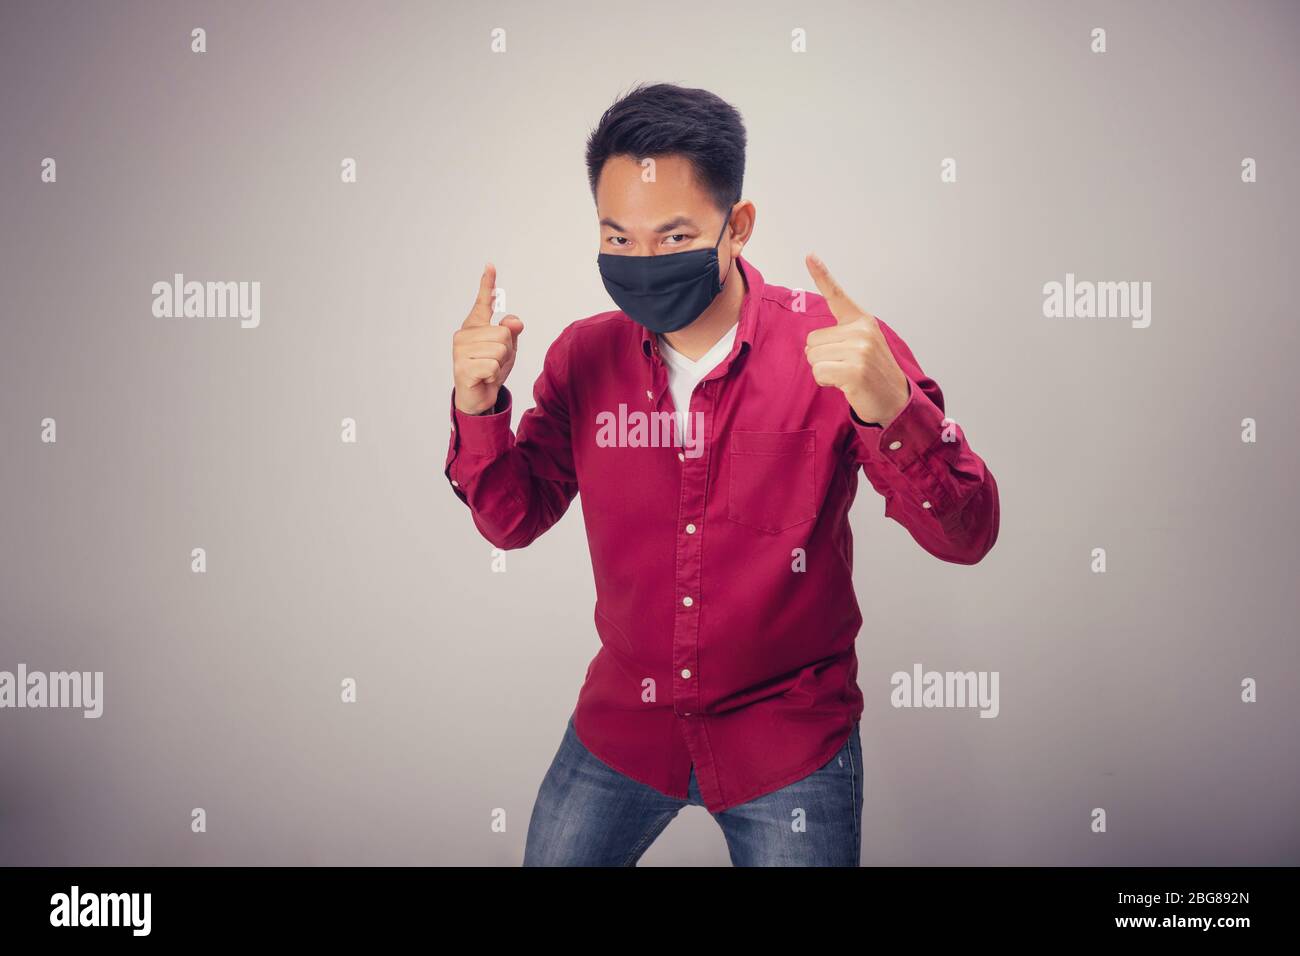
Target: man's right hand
point(482, 354)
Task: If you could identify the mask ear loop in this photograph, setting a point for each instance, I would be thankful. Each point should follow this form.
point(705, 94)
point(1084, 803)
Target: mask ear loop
point(725, 222)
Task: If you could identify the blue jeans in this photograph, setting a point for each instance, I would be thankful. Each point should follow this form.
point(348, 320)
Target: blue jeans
point(589, 814)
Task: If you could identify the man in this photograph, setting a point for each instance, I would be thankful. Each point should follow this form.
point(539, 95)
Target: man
point(719, 535)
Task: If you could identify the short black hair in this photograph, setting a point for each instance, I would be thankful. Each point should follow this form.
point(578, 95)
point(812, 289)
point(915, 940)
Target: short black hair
point(654, 120)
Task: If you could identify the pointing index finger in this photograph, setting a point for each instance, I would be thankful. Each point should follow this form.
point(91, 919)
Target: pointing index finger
point(842, 307)
point(481, 313)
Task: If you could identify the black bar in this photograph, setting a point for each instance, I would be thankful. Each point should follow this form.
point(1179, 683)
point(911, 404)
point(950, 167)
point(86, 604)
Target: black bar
point(208, 904)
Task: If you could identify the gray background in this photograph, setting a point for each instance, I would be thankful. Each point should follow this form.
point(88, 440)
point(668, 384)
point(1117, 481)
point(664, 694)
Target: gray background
point(329, 560)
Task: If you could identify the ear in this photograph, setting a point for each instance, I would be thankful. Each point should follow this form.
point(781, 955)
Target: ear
point(741, 226)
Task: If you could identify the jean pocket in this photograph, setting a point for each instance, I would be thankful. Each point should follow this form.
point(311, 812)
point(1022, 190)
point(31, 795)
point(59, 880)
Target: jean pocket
point(772, 483)
point(846, 766)
point(853, 756)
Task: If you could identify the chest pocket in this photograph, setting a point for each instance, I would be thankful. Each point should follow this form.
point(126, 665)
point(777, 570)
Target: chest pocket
point(771, 486)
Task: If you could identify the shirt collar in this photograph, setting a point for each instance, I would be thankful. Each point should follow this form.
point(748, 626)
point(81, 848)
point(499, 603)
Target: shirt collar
point(747, 326)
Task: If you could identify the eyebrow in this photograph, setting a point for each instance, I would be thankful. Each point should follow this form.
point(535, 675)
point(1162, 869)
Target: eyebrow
point(669, 226)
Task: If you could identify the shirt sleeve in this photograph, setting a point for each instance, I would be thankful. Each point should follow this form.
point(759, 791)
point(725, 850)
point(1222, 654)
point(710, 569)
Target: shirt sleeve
point(517, 484)
point(934, 484)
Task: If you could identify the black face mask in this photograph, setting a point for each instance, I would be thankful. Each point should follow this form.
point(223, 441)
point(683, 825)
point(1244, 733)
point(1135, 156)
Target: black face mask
point(664, 293)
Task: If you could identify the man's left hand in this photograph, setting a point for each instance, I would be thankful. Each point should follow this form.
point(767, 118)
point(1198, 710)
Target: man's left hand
point(853, 356)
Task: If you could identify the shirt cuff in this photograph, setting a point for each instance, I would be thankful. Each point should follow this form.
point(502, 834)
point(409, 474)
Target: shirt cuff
point(486, 435)
point(916, 428)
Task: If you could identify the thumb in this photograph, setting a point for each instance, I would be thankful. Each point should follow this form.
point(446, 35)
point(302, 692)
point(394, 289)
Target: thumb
point(515, 325)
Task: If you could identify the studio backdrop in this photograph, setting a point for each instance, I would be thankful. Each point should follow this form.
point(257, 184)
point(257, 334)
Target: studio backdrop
point(297, 648)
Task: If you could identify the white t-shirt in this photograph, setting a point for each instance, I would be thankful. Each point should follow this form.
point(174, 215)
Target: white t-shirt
point(684, 375)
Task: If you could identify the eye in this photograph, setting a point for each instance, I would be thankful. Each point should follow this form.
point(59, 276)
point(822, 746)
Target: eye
point(679, 236)
point(617, 240)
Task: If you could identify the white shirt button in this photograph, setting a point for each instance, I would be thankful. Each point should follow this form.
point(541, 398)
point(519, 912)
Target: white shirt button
point(681, 456)
point(687, 600)
point(686, 673)
point(455, 483)
point(895, 445)
point(690, 529)
point(925, 504)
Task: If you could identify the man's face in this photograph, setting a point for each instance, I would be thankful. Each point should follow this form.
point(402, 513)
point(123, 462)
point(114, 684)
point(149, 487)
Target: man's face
point(657, 210)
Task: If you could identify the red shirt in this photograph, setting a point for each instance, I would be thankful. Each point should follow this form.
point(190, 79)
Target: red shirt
point(724, 589)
